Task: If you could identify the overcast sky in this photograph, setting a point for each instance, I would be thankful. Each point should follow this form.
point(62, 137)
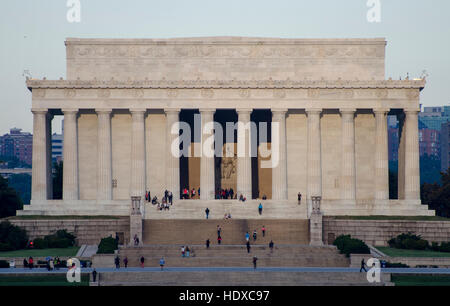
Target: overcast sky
point(32, 34)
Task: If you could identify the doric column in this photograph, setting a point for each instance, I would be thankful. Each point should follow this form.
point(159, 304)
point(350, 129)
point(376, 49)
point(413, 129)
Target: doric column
point(401, 155)
point(279, 171)
point(173, 152)
point(244, 164)
point(104, 157)
point(39, 188)
point(314, 168)
point(381, 155)
point(412, 156)
point(137, 186)
point(70, 165)
point(48, 131)
point(348, 168)
point(207, 177)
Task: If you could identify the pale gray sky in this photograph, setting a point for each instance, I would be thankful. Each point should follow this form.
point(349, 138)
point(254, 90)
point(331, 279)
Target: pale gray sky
point(32, 34)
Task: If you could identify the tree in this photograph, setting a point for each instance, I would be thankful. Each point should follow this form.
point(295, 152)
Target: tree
point(9, 200)
point(21, 183)
point(438, 197)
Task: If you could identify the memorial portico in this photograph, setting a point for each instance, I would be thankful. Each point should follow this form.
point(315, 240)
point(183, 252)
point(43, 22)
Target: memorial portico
point(328, 126)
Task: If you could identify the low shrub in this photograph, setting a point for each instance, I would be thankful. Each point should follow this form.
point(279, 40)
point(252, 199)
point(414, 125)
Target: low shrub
point(395, 265)
point(59, 240)
point(4, 247)
point(107, 246)
point(13, 236)
point(408, 241)
point(348, 245)
point(4, 264)
point(40, 243)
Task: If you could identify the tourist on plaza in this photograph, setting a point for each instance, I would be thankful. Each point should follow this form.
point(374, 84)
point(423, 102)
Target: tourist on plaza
point(207, 243)
point(264, 197)
point(117, 262)
point(94, 276)
point(183, 251)
point(198, 192)
point(363, 266)
point(299, 198)
point(30, 262)
point(255, 259)
point(254, 235)
point(142, 261)
point(125, 262)
point(247, 236)
point(192, 193)
point(248, 246)
point(25, 263)
point(219, 240)
point(162, 262)
point(207, 212)
point(170, 197)
point(263, 230)
point(271, 246)
point(260, 208)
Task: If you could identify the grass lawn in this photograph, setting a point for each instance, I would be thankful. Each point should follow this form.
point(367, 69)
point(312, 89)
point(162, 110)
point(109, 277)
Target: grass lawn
point(72, 251)
point(405, 218)
point(41, 280)
point(421, 280)
point(411, 253)
point(61, 217)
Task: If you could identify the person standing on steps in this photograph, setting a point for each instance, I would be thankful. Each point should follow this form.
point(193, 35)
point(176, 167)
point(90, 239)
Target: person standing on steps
point(260, 208)
point(117, 262)
point(207, 212)
point(299, 198)
point(125, 262)
point(142, 261)
point(248, 246)
point(247, 236)
point(219, 230)
point(219, 240)
point(162, 262)
point(254, 235)
point(271, 246)
point(255, 259)
point(263, 230)
point(363, 266)
point(170, 197)
point(207, 243)
point(94, 276)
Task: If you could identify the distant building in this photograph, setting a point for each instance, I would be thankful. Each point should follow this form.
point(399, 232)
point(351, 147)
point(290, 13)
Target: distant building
point(430, 142)
point(57, 147)
point(393, 143)
point(17, 144)
point(445, 146)
point(434, 117)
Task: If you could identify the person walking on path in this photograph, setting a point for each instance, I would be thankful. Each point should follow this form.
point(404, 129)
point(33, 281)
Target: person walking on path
point(125, 262)
point(162, 262)
point(247, 236)
point(363, 266)
point(94, 275)
point(117, 262)
point(263, 230)
point(207, 243)
point(142, 261)
point(260, 208)
point(255, 259)
point(207, 212)
point(271, 246)
point(248, 247)
point(254, 235)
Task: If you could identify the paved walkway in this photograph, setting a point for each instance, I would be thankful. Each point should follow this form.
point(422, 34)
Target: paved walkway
point(232, 269)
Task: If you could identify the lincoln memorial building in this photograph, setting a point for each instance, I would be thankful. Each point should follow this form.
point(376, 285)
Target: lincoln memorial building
point(125, 103)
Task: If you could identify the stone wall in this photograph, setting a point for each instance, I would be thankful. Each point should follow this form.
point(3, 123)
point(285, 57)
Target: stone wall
point(86, 231)
point(378, 232)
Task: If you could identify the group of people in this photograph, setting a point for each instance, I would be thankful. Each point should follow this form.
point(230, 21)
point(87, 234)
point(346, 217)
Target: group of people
point(117, 262)
point(51, 263)
point(224, 194)
point(186, 252)
point(190, 194)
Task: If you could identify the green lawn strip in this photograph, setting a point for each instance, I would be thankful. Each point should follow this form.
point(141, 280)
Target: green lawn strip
point(404, 218)
point(41, 280)
point(420, 280)
point(71, 251)
point(62, 218)
point(411, 253)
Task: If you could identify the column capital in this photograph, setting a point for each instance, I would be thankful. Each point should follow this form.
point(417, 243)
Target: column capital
point(381, 110)
point(172, 110)
point(279, 110)
point(349, 111)
point(411, 111)
point(103, 110)
point(39, 110)
point(69, 110)
point(138, 110)
point(313, 110)
point(207, 110)
point(244, 110)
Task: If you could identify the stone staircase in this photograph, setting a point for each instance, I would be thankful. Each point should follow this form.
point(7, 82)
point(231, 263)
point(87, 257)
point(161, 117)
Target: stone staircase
point(238, 278)
point(195, 209)
point(189, 232)
point(236, 256)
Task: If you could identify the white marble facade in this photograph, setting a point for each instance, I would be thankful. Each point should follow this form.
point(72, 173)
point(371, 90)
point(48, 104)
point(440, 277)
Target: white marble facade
point(330, 97)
